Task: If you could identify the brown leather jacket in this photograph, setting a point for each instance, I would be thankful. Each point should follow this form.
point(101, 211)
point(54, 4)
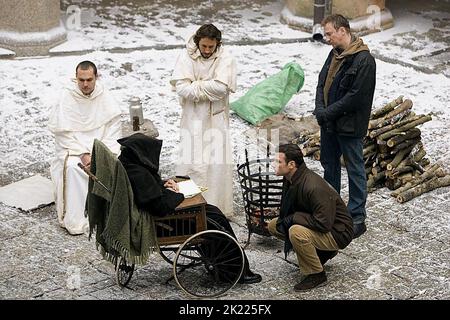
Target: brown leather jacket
point(317, 206)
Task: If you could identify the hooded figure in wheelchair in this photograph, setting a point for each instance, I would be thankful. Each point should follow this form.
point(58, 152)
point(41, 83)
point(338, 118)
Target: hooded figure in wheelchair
point(140, 158)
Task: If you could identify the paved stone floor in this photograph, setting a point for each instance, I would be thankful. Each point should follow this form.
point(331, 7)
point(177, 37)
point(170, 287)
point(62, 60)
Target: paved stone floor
point(405, 254)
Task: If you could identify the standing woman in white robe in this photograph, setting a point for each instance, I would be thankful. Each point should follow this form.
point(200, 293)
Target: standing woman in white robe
point(203, 77)
point(86, 111)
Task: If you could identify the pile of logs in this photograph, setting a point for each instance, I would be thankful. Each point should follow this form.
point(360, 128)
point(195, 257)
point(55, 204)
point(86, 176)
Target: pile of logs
point(393, 152)
point(310, 145)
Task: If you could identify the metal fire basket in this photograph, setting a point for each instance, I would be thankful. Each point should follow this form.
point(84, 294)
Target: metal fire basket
point(261, 193)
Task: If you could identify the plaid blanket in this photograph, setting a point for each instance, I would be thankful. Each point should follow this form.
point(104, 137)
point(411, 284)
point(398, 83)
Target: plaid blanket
point(121, 229)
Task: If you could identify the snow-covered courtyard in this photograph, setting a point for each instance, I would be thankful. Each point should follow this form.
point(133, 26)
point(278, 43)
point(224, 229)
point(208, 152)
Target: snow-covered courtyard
point(135, 47)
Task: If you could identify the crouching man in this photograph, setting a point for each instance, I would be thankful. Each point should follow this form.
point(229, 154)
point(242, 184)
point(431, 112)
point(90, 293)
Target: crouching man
point(313, 220)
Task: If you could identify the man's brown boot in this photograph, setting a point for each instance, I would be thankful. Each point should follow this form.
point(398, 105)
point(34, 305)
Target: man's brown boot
point(311, 281)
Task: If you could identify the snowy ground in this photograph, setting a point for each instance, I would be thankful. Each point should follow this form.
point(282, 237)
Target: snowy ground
point(154, 23)
point(29, 87)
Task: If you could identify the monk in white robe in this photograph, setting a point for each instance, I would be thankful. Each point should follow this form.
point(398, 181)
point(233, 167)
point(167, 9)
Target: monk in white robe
point(203, 77)
point(86, 111)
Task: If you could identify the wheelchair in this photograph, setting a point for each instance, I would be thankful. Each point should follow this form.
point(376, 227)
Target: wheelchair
point(205, 263)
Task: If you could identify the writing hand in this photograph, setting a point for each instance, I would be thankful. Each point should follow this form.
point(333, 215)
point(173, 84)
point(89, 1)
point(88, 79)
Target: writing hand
point(172, 185)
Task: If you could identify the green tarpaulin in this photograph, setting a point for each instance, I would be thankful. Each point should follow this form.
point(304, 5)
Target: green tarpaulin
point(271, 95)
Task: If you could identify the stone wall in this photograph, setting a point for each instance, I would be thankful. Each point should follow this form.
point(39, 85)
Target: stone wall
point(355, 9)
point(365, 16)
point(30, 27)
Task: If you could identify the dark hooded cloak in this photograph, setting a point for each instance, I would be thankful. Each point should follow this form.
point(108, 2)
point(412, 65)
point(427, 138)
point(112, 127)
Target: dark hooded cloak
point(140, 158)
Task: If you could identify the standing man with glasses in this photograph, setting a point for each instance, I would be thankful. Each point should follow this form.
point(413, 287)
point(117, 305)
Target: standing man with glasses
point(343, 104)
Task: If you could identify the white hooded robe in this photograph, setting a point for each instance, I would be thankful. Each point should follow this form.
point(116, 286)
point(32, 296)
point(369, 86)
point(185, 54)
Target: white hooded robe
point(76, 121)
point(203, 86)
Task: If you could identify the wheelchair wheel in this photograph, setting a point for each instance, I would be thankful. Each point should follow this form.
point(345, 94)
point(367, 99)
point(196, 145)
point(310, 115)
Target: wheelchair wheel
point(124, 272)
point(208, 264)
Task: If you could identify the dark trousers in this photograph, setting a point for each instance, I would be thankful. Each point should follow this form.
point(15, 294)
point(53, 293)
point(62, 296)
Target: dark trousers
point(216, 220)
point(332, 146)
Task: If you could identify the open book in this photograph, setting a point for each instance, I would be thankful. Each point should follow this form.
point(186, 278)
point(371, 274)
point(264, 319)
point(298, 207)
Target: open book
point(189, 188)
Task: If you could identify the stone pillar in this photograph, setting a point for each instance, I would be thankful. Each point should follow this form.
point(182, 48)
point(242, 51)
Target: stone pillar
point(303, 8)
point(365, 16)
point(30, 28)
